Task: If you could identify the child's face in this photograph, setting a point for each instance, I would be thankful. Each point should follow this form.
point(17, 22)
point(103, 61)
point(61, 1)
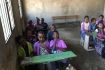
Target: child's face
point(41, 37)
point(22, 41)
point(100, 25)
point(86, 20)
point(55, 35)
point(53, 28)
point(29, 33)
point(94, 21)
point(100, 18)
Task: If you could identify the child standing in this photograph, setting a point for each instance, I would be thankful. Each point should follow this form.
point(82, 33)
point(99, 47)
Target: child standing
point(100, 38)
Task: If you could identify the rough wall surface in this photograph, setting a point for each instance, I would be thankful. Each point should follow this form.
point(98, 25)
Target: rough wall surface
point(49, 8)
point(8, 53)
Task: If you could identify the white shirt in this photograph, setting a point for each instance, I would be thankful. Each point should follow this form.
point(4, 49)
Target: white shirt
point(86, 25)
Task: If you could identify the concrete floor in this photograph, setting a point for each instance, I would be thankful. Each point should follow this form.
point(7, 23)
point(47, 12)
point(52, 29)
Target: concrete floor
point(84, 60)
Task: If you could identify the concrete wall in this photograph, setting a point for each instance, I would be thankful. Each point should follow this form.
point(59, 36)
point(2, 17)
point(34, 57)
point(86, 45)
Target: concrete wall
point(8, 53)
point(104, 10)
point(49, 8)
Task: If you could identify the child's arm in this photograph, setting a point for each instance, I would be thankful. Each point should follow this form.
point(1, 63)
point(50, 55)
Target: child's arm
point(63, 46)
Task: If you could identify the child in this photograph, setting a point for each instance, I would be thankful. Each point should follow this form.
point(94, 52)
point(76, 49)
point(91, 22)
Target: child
point(92, 29)
point(50, 33)
point(85, 27)
point(57, 45)
point(100, 38)
point(31, 36)
point(41, 47)
point(30, 26)
point(101, 18)
point(93, 25)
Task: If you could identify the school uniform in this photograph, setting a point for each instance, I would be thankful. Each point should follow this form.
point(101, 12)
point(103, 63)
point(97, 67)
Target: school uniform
point(100, 44)
point(58, 46)
point(84, 27)
point(42, 50)
point(23, 52)
point(50, 35)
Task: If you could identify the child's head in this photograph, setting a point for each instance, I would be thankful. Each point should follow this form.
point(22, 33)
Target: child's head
point(38, 20)
point(56, 35)
point(93, 20)
point(52, 27)
point(29, 33)
point(20, 40)
point(101, 17)
point(86, 19)
point(42, 20)
point(100, 24)
point(41, 36)
point(30, 22)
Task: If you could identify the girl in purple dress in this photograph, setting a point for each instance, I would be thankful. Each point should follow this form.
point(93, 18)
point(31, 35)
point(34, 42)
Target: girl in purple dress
point(57, 45)
point(100, 38)
point(41, 47)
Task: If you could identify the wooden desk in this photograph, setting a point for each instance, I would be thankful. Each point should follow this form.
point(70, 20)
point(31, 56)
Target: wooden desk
point(48, 58)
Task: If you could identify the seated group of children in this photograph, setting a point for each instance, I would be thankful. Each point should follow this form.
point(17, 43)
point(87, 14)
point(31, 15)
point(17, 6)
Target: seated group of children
point(96, 32)
point(39, 39)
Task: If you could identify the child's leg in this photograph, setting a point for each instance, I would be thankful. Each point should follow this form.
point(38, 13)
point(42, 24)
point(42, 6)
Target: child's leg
point(41, 66)
point(51, 66)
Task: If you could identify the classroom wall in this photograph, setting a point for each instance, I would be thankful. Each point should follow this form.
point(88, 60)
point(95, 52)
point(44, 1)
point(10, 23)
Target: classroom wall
point(49, 8)
point(8, 52)
point(104, 10)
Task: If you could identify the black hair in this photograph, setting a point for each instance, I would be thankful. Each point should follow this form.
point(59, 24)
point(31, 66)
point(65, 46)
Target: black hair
point(18, 38)
point(30, 22)
point(93, 19)
point(41, 32)
point(56, 32)
point(86, 17)
point(101, 16)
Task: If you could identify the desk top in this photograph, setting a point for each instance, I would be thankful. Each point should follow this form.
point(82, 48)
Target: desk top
point(48, 58)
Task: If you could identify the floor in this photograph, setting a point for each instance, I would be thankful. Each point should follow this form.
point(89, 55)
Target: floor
point(84, 60)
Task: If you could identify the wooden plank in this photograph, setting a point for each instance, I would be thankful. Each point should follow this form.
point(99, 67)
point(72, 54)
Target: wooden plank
point(48, 58)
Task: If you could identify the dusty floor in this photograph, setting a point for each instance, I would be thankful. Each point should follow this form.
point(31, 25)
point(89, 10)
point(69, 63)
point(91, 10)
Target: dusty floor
point(84, 60)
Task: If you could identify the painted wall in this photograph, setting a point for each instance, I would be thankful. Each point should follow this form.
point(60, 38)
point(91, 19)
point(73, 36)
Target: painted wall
point(8, 53)
point(49, 8)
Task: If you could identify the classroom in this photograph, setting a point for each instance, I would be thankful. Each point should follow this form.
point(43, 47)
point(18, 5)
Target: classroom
point(52, 34)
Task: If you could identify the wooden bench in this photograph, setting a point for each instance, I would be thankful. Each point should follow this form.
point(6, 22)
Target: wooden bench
point(65, 18)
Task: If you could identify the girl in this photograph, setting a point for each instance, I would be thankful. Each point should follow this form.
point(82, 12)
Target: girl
point(57, 45)
point(41, 47)
point(100, 38)
point(85, 27)
point(50, 33)
point(101, 18)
